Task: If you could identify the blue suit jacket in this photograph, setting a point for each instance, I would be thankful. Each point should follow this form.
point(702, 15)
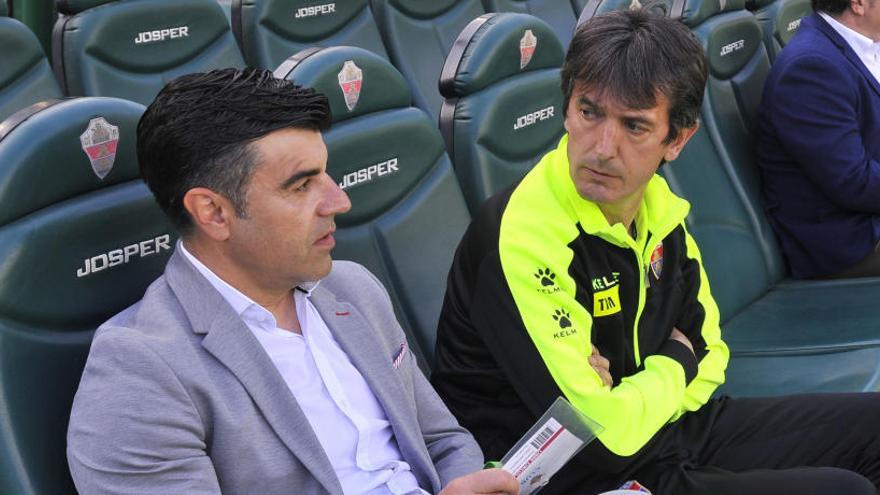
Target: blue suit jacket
point(819, 151)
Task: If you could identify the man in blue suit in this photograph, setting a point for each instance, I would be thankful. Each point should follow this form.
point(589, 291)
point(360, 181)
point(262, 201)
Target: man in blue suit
point(819, 142)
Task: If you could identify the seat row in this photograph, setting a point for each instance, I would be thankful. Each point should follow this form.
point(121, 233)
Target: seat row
point(129, 48)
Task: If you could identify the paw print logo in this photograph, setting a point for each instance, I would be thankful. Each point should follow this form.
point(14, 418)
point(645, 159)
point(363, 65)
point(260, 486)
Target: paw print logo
point(545, 276)
point(562, 317)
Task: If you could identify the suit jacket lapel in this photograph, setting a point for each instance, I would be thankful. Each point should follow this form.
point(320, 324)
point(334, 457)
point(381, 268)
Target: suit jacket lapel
point(361, 342)
point(229, 340)
point(847, 50)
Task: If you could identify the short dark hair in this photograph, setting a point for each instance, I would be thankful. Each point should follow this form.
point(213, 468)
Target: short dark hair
point(198, 131)
point(630, 55)
point(832, 7)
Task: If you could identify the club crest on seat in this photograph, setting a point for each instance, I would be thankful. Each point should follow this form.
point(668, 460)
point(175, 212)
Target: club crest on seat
point(527, 46)
point(350, 79)
point(99, 143)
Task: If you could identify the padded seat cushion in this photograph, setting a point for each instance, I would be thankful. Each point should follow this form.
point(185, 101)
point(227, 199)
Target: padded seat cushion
point(717, 172)
point(560, 15)
point(825, 334)
point(780, 21)
point(503, 107)
point(74, 250)
point(418, 35)
point(131, 48)
point(269, 31)
point(25, 75)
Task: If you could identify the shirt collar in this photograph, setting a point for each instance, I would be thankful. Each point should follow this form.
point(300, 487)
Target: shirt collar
point(860, 43)
point(233, 296)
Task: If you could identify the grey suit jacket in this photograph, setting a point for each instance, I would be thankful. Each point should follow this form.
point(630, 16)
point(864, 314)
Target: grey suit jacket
point(178, 396)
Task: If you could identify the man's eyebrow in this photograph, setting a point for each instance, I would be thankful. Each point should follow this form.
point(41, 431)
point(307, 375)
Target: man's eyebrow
point(638, 119)
point(299, 175)
point(583, 100)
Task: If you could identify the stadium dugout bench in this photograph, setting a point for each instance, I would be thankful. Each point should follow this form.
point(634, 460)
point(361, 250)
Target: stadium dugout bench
point(80, 240)
point(408, 213)
point(25, 75)
point(269, 31)
point(503, 107)
point(131, 48)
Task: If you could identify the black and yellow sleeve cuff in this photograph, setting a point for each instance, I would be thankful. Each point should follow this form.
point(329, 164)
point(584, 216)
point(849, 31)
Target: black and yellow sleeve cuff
point(680, 352)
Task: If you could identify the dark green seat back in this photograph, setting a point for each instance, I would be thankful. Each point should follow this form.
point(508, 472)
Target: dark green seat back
point(408, 212)
point(503, 107)
point(780, 20)
point(418, 34)
point(561, 15)
point(25, 75)
point(269, 31)
point(597, 7)
point(58, 217)
point(716, 171)
point(131, 48)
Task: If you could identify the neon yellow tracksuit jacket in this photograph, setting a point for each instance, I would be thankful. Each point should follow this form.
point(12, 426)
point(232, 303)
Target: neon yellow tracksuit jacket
point(539, 278)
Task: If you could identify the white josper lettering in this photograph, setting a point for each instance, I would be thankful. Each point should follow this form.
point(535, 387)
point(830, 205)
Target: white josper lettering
point(367, 174)
point(793, 25)
point(162, 34)
point(732, 47)
point(531, 118)
point(123, 255)
point(327, 8)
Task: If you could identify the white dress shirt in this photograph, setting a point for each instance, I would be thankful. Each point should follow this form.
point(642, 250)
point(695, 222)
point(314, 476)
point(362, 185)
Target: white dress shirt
point(867, 50)
point(341, 408)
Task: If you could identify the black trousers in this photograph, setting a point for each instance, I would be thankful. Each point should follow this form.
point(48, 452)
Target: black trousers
point(819, 444)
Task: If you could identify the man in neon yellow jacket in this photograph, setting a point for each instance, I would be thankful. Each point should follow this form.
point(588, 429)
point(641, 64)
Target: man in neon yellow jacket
point(581, 280)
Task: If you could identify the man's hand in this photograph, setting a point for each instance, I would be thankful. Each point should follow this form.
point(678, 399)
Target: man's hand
point(602, 367)
point(488, 481)
point(679, 336)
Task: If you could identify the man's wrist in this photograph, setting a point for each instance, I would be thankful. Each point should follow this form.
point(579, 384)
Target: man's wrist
point(683, 355)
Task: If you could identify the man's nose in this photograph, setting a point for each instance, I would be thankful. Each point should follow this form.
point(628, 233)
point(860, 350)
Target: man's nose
point(336, 201)
point(606, 144)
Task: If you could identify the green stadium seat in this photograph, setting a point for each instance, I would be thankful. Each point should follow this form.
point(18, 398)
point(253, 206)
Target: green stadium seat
point(25, 75)
point(80, 239)
point(561, 15)
point(270, 31)
point(597, 7)
point(4, 9)
point(131, 48)
point(785, 336)
point(503, 107)
point(780, 20)
point(418, 34)
point(408, 212)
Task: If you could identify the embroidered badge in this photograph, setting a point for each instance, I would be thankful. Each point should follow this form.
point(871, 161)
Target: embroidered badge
point(351, 78)
point(527, 46)
point(657, 260)
point(99, 142)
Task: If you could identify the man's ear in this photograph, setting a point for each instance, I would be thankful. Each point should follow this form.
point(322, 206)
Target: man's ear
point(684, 135)
point(210, 212)
point(857, 6)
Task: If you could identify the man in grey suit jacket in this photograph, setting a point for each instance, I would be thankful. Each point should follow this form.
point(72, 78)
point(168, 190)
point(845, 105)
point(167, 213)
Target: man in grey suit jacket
point(236, 372)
